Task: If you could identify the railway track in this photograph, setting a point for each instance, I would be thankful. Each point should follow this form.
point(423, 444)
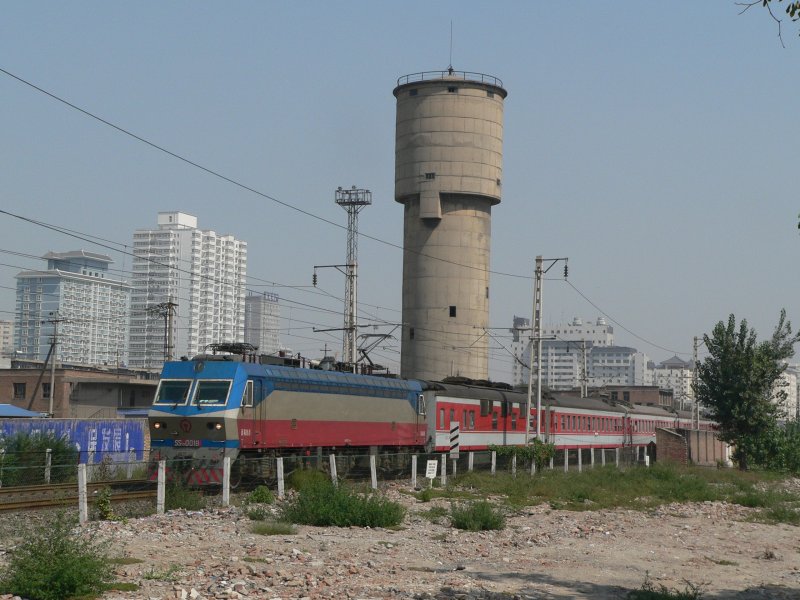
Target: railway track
point(66, 494)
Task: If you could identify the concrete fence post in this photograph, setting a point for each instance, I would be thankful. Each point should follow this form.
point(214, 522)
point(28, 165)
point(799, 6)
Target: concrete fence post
point(83, 508)
point(580, 460)
point(444, 470)
point(494, 462)
point(616, 456)
point(414, 472)
point(514, 465)
point(334, 476)
point(566, 460)
point(603, 456)
point(591, 455)
point(161, 489)
point(131, 459)
point(373, 471)
point(470, 461)
point(226, 481)
point(281, 484)
point(48, 461)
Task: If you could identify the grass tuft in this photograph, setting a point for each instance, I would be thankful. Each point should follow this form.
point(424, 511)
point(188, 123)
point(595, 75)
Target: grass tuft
point(321, 503)
point(274, 528)
point(476, 516)
point(650, 591)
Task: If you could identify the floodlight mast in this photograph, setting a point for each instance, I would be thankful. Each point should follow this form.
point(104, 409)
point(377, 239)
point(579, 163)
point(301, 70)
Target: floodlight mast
point(353, 201)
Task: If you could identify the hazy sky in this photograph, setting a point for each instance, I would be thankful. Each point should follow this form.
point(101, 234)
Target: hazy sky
point(654, 145)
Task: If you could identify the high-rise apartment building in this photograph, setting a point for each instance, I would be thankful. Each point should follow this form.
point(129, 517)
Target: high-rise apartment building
point(563, 349)
point(78, 296)
point(188, 277)
point(6, 338)
point(261, 321)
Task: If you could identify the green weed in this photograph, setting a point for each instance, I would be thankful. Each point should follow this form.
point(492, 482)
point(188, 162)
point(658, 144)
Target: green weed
point(321, 503)
point(476, 516)
point(54, 562)
point(274, 528)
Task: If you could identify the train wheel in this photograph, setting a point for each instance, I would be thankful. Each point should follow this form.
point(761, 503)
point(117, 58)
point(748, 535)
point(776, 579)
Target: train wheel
point(237, 472)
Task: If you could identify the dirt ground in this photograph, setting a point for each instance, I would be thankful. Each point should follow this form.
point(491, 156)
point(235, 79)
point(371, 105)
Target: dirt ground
point(542, 553)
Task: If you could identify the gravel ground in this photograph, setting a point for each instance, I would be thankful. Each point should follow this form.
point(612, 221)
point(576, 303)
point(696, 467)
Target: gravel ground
point(542, 553)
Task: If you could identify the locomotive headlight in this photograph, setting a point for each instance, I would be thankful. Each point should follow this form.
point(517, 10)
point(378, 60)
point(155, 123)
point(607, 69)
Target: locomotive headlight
point(217, 426)
point(157, 425)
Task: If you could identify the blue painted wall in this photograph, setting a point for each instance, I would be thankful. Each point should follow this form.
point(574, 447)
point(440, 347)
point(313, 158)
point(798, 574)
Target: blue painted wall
point(94, 438)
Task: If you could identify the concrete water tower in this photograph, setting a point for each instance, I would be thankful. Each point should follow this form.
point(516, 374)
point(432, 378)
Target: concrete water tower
point(448, 175)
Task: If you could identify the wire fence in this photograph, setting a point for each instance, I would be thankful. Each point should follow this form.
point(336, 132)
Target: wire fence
point(31, 479)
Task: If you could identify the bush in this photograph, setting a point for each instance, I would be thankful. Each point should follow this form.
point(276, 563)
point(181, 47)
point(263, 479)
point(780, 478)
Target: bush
point(323, 504)
point(178, 495)
point(54, 563)
point(476, 516)
point(261, 495)
point(301, 478)
point(24, 460)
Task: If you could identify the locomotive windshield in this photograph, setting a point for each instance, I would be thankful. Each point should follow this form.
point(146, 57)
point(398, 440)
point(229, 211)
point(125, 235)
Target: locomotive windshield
point(212, 392)
point(173, 391)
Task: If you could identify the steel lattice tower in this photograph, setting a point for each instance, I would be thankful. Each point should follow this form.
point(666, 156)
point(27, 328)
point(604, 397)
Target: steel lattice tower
point(352, 200)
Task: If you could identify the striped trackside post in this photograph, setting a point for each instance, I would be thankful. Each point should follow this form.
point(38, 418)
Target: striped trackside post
point(455, 439)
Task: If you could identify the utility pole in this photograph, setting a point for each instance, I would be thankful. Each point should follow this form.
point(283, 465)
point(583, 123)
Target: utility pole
point(536, 323)
point(167, 311)
point(584, 374)
point(696, 407)
point(54, 347)
point(353, 201)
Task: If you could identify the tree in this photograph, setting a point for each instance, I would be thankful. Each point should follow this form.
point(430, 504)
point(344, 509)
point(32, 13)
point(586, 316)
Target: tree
point(739, 382)
point(792, 9)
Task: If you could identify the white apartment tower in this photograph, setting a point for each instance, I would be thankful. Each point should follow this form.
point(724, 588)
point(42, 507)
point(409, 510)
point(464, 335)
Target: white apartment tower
point(77, 294)
point(676, 374)
point(562, 350)
point(261, 321)
point(196, 275)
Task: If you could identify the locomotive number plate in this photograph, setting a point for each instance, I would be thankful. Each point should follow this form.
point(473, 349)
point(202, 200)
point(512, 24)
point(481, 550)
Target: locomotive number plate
point(187, 443)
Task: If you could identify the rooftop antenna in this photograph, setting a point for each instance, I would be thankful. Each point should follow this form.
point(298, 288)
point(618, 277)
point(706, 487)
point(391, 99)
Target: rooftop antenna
point(450, 66)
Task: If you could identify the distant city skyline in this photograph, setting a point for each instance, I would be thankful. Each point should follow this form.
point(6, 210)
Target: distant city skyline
point(635, 143)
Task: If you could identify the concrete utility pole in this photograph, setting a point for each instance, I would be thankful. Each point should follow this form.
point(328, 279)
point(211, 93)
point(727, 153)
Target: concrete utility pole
point(536, 336)
point(584, 374)
point(167, 311)
point(54, 347)
point(696, 407)
point(353, 201)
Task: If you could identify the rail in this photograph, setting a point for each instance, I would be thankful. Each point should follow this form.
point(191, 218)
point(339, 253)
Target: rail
point(452, 74)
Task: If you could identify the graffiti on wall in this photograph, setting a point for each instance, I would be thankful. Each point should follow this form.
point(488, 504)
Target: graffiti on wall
point(119, 439)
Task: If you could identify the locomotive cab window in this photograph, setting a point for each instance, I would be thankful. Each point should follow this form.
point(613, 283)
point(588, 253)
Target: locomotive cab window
point(173, 391)
point(247, 398)
point(212, 392)
point(421, 405)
